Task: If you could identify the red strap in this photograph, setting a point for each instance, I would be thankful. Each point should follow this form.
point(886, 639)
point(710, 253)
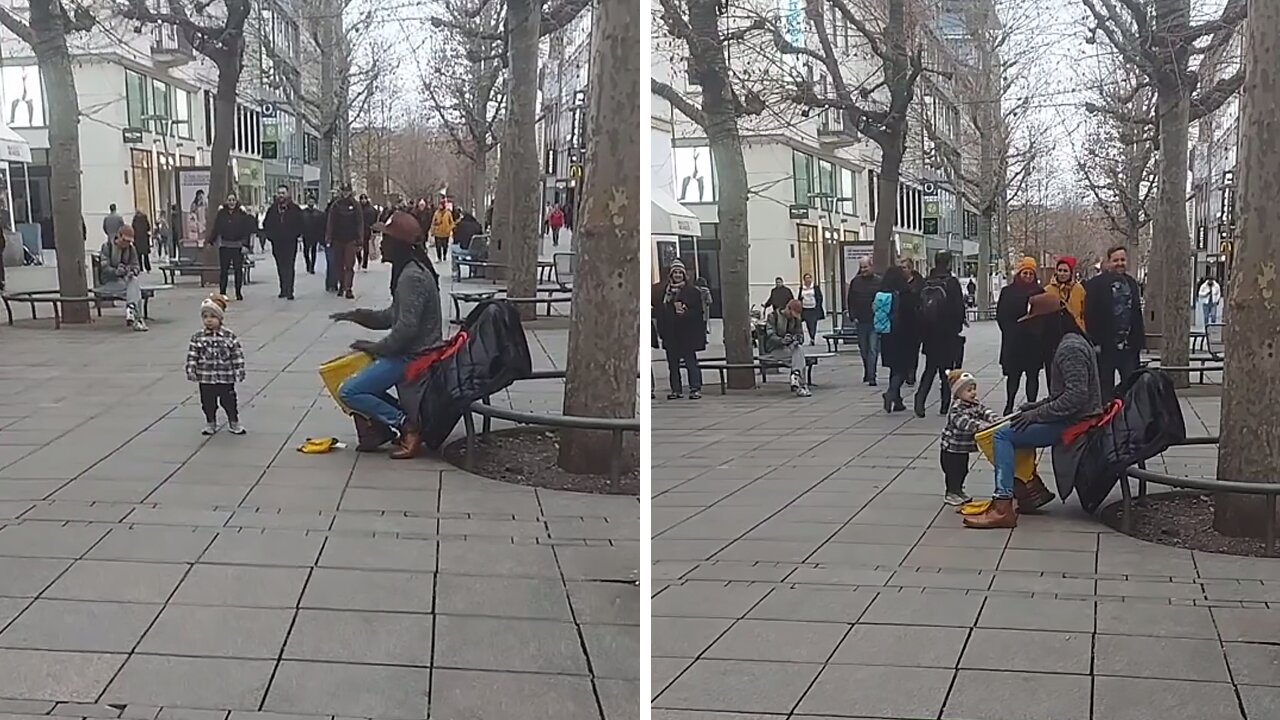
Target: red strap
point(1073, 433)
point(420, 365)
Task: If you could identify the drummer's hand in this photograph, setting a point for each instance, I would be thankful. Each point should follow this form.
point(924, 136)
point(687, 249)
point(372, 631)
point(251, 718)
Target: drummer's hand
point(364, 346)
point(1027, 406)
point(1022, 422)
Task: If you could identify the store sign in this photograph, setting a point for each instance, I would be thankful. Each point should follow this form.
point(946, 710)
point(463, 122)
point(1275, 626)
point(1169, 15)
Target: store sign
point(132, 136)
point(932, 208)
point(1202, 237)
point(931, 226)
point(929, 188)
point(798, 212)
point(270, 150)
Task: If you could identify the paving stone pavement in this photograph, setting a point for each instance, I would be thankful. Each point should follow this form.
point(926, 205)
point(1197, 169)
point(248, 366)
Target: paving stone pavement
point(147, 572)
point(805, 567)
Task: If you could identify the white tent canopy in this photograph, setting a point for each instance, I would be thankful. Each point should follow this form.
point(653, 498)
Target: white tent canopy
point(12, 147)
point(671, 218)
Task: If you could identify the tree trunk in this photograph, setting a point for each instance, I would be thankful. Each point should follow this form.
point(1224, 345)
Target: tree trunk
point(1168, 292)
point(604, 338)
point(64, 153)
point(1250, 439)
point(502, 228)
point(887, 200)
point(224, 133)
point(523, 243)
point(479, 183)
point(328, 98)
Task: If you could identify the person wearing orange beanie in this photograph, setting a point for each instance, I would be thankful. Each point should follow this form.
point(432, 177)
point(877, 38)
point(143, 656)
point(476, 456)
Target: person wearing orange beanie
point(1020, 353)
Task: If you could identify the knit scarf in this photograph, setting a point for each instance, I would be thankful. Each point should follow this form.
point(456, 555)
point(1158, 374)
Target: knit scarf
point(674, 289)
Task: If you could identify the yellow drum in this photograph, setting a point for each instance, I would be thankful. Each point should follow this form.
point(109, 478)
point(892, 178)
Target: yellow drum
point(1024, 459)
point(339, 370)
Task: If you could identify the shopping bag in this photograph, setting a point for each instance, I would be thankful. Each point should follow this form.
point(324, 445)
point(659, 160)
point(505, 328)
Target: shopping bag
point(339, 370)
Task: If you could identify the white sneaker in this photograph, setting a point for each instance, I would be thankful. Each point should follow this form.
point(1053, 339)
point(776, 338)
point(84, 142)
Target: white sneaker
point(795, 380)
point(140, 326)
point(236, 428)
point(803, 392)
point(210, 428)
point(955, 499)
point(129, 316)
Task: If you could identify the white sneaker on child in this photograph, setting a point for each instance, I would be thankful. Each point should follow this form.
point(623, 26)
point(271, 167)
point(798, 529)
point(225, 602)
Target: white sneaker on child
point(956, 498)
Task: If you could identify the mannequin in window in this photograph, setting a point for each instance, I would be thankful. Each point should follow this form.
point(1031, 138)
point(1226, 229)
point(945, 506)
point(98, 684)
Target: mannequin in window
point(694, 176)
point(23, 99)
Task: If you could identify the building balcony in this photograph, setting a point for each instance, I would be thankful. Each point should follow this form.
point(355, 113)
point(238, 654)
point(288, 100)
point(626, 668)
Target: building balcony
point(169, 48)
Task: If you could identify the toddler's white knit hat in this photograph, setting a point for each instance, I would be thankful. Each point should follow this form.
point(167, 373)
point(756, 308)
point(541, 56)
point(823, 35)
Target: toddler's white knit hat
point(960, 380)
point(215, 305)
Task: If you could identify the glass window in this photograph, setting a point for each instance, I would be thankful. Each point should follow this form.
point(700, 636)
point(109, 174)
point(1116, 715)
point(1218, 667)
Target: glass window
point(160, 106)
point(694, 174)
point(808, 240)
point(23, 99)
point(137, 97)
point(182, 114)
point(848, 192)
point(827, 184)
point(802, 174)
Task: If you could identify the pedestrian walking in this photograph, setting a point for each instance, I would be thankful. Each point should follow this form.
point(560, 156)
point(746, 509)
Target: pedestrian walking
point(811, 309)
point(442, 224)
point(897, 320)
point(555, 221)
point(677, 312)
point(233, 230)
point(779, 296)
point(914, 284)
point(369, 214)
point(966, 416)
point(141, 225)
point(112, 223)
point(941, 320)
point(215, 360)
point(1113, 313)
point(1020, 353)
point(312, 237)
point(862, 291)
point(344, 231)
point(284, 225)
point(1210, 294)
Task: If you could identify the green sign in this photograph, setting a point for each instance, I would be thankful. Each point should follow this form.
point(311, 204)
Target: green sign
point(270, 150)
point(931, 226)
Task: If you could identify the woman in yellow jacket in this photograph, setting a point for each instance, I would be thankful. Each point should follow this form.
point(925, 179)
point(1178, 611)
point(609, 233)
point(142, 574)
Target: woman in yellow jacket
point(441, 229)
point(1068, 289)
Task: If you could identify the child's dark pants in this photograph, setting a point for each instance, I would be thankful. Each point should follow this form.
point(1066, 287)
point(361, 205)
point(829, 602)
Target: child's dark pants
point(211, 394)
point(955, 467)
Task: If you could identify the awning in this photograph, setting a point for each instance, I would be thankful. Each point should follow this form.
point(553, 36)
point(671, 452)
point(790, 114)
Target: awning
point(12, 147)
point(671, 218)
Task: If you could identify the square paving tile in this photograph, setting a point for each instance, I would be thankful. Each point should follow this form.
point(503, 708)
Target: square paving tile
point(115, 491)
point(479, 643)
point(1048, 561)
point(1254, 664)
point(1151, 620)
point(380, 554)
point(502, 597)
point(511, 696)
point(778, 640)
point(984, 695)
point(56, 676)
point(28, 577)
point(614, 651)
point(369, 590)
point(954, 558)
point(367, 691)
point(48, 540)
point(1260, 703)
point(901, 645)
point(79, 626)
point(685, 637)
point(619, 698)
point(948, 609)
point(291, 549)
point(131, 582)
point(199, 495)
point(287, 497)
point(242, 586)
point(481, 557)
point(737, 685)
point(361, 637)
point(1247, 625)
point(218, 632)
point(1146, 699)
point(605, 603)
point(707, 600)
point(1163, 658)
point(834, 605)
point(10, 608)
point(154, 544)
point(619, 562)
point(877, 692)
point(1039, 613)
point(1028, 650)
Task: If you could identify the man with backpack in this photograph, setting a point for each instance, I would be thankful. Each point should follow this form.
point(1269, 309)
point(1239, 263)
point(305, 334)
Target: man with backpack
point(941, 320)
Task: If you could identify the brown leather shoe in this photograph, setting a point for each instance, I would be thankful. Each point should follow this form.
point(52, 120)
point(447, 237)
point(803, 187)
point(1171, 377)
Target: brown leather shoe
point(371, 435)
point(1033, 495)
point(407, 448)
point(1001, 514)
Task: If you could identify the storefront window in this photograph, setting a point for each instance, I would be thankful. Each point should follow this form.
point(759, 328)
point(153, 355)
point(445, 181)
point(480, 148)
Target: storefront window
point(23, 100)
point(137, 97)
point(808, 240)
point(802, 173)
point(140, 162)
point(827, 185)
point(848, 192)
point(182, 114)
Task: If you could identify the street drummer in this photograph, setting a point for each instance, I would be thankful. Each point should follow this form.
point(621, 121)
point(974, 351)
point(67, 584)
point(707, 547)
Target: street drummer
point(965, 418)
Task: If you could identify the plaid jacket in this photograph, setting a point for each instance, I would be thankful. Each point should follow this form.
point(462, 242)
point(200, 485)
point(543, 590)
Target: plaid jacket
point(215, 357)
point(963, 420)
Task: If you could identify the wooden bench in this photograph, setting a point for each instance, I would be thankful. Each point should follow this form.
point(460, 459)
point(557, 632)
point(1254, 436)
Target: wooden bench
point(722, 366)
point(53, 297)
point(148, 292)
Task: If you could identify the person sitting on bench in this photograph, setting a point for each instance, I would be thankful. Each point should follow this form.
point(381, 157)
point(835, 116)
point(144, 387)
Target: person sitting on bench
point(784, 342)
point(118, 275)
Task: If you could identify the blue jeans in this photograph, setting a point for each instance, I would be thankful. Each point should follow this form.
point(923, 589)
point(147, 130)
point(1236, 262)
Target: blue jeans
point(1210, 314)
point(366, 392)
point(1007, 440)
point(868, 348)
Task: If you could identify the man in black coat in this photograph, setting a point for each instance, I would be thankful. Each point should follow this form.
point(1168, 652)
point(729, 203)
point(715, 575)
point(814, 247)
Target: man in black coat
point(312, 235)
point(1113, 318)
point(284, 226)
point(941, 319)
point(862, 291)
point(370, 219)
point(915, 282)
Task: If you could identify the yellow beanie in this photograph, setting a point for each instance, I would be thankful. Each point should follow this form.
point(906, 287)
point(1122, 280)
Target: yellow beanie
point(1027, 263)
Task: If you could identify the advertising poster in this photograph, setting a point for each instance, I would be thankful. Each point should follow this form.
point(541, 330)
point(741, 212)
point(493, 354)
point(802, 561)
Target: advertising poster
point(193, 201)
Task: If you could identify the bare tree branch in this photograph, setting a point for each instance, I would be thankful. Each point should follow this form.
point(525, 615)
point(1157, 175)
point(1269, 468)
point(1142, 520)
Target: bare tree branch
point(682, 104)
point(1213, 97)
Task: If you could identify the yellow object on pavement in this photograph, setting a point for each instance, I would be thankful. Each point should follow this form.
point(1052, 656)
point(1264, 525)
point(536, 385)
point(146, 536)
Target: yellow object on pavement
point(339, 370)
point(319, 446)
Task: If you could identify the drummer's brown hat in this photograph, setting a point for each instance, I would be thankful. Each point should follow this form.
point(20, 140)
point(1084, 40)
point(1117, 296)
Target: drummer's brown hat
point(1041, 305)
point(401, 226)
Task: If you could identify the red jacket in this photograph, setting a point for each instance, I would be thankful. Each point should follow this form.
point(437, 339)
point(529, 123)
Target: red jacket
point(556, 219)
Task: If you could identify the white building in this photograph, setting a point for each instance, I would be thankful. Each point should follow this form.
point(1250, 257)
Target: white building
point(565, 73)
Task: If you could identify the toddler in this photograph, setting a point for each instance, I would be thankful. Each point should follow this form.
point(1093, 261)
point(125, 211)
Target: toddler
point(966, 417)
point(216, 361)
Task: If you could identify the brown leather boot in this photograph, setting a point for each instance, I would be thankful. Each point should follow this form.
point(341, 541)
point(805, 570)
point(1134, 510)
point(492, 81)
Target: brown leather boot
point(1001, 514)
point(409, 444)
point(371, 435)
point(1033, 495)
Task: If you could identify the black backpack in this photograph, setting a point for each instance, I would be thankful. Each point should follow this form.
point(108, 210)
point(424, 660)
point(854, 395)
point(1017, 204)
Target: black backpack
point(933, 301)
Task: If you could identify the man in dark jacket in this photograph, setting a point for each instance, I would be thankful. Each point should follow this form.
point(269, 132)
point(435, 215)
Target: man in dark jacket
point(312, 235)
point(915, 283)
point(862, 291)
point(283, 225)
point(344, 230)
point(370, 217)
point(233, 230)
point(1113, 318)
point(941, 319)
